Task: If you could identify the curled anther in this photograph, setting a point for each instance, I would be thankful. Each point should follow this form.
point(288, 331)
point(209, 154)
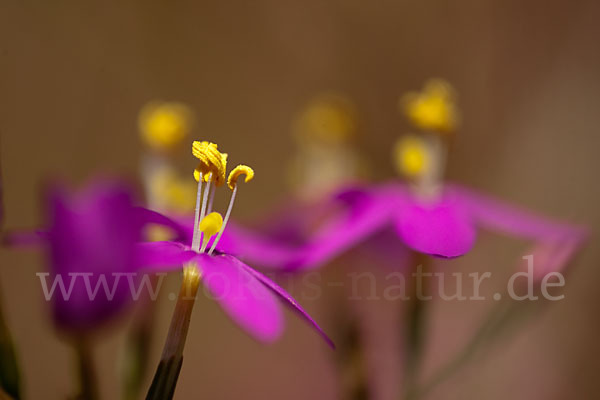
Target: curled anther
point(235, 174)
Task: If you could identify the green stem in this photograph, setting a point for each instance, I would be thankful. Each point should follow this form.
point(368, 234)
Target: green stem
point(88, 386)
point(416, 335)
point(9, 369)
point(166, 376)
point(137, 349)
point(351, 363)
point(349, 357)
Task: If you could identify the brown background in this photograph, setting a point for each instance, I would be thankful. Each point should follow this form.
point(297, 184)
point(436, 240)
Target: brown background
point(73, 76)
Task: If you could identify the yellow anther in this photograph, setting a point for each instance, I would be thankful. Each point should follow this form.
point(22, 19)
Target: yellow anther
point(236, 172)
point(329, 117)
point(211, 225)
point(433, 109)
point(164, 125)
point(410, 156)
point(212, 161)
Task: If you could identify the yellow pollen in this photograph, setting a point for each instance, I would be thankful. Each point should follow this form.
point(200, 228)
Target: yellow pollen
point(410, 156)
point(433, 109)
point(164, 125)
point(211, 161)
point(236, 172)
point(211, 225)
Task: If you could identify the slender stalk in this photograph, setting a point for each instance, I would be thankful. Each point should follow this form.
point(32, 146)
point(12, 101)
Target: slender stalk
point(351, 361)
point(349, 355)
point(167, 373)
point(211, 199)
point(88, 385)
point(225, 220)
point(196, 236)
point(9, 368)
point(135, 360)
point(416, 335)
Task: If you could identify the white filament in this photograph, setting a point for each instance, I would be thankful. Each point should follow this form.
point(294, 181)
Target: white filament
point(196, 235)
point(227, 214)
point(211, 199)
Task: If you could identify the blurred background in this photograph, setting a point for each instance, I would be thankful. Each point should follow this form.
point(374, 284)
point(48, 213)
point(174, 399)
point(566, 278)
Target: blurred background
point(74, 75)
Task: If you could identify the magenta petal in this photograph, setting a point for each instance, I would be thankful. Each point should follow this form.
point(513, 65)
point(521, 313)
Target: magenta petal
point(253, 246)
point(496, 215)
point(289, 300)
point(163, 255)
point(441, 229)
point(183, 231)
point(363, 213)
point(247, 301)
point(556, 243)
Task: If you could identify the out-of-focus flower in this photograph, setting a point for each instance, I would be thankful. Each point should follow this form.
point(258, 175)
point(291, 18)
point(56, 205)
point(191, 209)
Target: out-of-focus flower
point(249, 297)
point(434, 108)
point(96, 235)
point(326, 157)
point(328, 118)
point(427, 215)
point(445, 228)
point(164, 125)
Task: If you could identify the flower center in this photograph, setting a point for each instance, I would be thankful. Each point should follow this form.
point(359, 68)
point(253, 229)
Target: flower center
point(212, 169)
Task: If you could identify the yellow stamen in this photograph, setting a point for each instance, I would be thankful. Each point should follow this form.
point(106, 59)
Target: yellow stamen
point(235, 174)
point(211, 161)
point(410, 156)
point(433, 109)
point(164, 125)
point(212, 169)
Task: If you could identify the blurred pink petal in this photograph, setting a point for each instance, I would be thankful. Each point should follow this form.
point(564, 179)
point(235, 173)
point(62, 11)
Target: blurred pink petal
point(247, 301)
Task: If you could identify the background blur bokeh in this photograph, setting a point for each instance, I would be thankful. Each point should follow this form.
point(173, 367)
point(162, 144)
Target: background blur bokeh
point(73, 76)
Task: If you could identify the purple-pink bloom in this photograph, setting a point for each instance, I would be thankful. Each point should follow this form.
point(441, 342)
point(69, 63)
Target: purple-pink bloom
point(249, 297)
point(94, 249)
point(445, 227)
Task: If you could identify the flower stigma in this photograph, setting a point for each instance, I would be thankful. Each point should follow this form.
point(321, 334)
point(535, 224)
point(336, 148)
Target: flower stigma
point(210, 226)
